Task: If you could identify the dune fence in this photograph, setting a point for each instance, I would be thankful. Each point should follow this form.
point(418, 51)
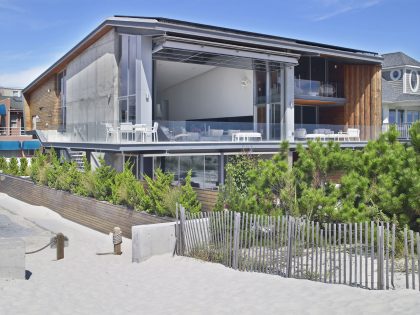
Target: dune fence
point(356, 254)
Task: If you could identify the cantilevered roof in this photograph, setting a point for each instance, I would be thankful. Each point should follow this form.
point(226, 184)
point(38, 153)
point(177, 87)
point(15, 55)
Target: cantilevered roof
point(248, 33)
point(157, 26)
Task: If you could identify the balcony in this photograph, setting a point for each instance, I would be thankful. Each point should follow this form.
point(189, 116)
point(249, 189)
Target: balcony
point(318, 89)
point(162, 132)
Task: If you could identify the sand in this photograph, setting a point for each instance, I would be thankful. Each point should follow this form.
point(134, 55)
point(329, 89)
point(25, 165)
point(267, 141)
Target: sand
point(85, 283)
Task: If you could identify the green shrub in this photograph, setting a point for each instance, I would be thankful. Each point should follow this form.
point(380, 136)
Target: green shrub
point(13, 168)
point(157, 189)
point(188, 197)
point(127, 190)
point(103, 181)
point(23, 168)
point(3, 164)
point(171, 199)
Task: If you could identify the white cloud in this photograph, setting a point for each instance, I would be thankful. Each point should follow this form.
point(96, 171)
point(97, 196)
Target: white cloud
point(21, 79)
point(332, 8)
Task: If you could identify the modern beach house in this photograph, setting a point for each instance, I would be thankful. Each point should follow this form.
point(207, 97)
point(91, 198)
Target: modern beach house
point(401, 92)
point(179, 95)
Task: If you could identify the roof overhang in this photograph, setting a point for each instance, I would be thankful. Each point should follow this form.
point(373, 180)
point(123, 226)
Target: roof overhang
point(180, 49)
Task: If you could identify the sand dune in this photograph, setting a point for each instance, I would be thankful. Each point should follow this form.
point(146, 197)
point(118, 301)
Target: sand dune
point(85, 283)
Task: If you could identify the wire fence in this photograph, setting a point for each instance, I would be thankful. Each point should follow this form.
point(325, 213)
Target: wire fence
point(357, 254)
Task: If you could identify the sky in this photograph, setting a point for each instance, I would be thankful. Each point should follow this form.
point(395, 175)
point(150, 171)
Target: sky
point(36, 33)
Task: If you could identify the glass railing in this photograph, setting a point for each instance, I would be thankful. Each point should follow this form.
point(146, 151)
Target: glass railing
point(318, 88)
point(203, 131)
point(341, 133)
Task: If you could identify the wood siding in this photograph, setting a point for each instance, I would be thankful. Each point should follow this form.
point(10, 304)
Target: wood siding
point(98, 215)
point(45, 103)
point(362, 88)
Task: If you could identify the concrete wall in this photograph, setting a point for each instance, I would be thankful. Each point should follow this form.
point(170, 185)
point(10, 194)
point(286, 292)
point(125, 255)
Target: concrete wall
point(213, 94)
point(92, 88)
point(151, 240)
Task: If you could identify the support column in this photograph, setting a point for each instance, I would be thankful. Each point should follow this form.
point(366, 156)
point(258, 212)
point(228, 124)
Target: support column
point(144, 80)
point(289, 100)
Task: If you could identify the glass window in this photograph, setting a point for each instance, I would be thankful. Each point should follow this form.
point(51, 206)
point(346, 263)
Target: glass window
point(318, 69)
point(211, 172)
point(260, 77)
point(196, 165)
point(392, 116)
point(127, 77)
point(414, 81)
point(412, 116)
point(276, 86)
point(400, 119)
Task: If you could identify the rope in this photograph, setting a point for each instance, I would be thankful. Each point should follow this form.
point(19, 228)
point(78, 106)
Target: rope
point(117, 238)
point(44, 247)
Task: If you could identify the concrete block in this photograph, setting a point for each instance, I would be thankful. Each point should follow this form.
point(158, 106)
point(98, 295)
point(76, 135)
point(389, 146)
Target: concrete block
point(152, 239)
point(12, 258)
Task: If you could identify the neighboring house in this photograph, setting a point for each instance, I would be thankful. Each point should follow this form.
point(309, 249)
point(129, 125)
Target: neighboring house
point(13, 141)
point(400, 91)
point(180, 95)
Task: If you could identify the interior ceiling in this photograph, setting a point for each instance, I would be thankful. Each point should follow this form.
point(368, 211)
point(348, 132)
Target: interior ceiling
point(169, 73)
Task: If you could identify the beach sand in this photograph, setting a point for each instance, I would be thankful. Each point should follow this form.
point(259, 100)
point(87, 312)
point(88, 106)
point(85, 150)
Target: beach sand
point(86, 283)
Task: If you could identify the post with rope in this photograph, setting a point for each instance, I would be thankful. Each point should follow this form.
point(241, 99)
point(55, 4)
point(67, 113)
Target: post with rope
point(117, 240)
point(60, 245)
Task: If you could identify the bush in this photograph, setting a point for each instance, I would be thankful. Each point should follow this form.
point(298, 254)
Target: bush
point(157, 190)
point(13, 168)
point(171, 199)
point(127, 190)
point(188, 197)
point(103, 181)
point(3, 164)
point(23, 168)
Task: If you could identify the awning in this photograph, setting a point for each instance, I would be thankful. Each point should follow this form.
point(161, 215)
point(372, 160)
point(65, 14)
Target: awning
point(2, 109)
point(9, 145)
point(31, 145)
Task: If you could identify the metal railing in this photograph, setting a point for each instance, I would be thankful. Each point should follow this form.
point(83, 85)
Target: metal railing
point(403, 129)
point(12, 131)
point(318, 88)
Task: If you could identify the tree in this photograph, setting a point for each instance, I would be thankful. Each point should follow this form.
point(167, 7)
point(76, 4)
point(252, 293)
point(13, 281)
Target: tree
point(13, 168)
point(157, 189)
point(23, 168)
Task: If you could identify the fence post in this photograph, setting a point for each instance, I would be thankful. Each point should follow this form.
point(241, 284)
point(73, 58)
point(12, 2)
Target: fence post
point(181, 229)
point(236, 231)
point(290, 234)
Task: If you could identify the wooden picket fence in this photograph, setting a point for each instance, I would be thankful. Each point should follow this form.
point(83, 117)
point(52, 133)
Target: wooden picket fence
point(356, 254)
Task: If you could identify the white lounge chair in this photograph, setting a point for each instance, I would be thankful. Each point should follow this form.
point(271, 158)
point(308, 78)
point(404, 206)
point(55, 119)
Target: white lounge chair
point(300, 133)
point(353, 133)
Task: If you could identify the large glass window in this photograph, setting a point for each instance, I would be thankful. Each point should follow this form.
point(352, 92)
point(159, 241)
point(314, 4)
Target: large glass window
point(127, 77)
point(261, 84)
point(412, 116)
point(319, 77)
point(204, 169)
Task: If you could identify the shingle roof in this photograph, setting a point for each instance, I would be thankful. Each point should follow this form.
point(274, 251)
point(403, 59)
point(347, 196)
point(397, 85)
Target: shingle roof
point(398, 59)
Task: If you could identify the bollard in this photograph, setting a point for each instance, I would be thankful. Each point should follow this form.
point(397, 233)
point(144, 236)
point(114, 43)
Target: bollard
point(117, 240)
point(60, 246)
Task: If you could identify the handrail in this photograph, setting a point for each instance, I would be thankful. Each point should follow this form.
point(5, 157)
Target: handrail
point(12, 131)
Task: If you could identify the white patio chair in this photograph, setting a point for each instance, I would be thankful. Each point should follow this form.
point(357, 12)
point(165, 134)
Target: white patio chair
point(353, 133)
point(152, 131)
point(110, 130)
point(141, 129)
point(127, 129)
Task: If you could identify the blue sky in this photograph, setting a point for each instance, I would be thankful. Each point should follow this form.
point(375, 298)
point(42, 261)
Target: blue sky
point(35, 33)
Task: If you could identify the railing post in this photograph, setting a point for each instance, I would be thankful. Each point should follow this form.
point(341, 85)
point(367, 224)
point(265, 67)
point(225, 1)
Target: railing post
point(236, 230)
